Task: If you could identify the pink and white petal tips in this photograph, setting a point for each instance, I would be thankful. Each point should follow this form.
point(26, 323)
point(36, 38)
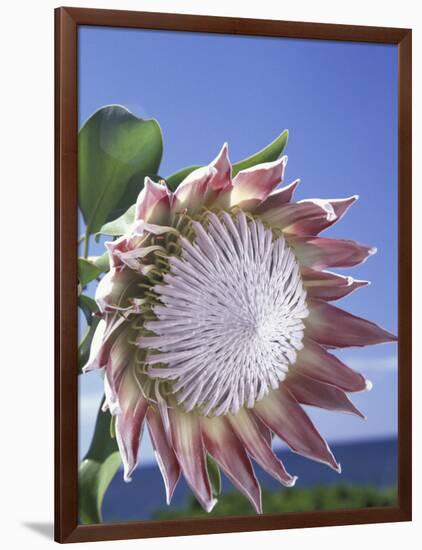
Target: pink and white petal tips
point(223, 445)
point(153, 203)
point(284, 416)
point(115, 290)
point(129, 423)
point(247, 430)
point(277, 199)
point(314, 215)
point(324, 285)
point(334, 327)
point(99, 351)
point(301, 218)
point(189, 448)
point(142, 228)
point(114, 248)
point(317, 394)
point(317, 363)
point(119, 362)
point(104, 337)
point(222, 179)
point(164, 454)
point(253, 185)
point(320, 252)
point(204, 185)
point(341, 206)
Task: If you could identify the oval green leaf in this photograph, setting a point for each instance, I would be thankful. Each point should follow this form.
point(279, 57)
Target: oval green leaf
point(101, 262)
point(84, 347)
point(116, 150)
point(88, 307)
point(268, 154)
point(121, 225)
point(87, 271)
point(96, 470)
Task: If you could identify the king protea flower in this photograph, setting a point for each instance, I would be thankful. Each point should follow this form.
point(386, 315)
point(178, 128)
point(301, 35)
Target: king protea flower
point(217, 325)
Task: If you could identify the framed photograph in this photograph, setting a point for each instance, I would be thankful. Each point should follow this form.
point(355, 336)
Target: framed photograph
point(224, 302)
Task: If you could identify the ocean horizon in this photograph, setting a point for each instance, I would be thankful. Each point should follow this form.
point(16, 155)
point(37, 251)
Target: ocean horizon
point(372, 462)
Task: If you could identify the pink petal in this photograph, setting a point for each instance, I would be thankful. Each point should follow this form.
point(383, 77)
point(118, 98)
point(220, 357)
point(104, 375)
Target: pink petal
point(301, 218)
point(311, 392)
point(204, 185)
point(283, 415)
point(153, 204)
point(253, 185)
point(264, 431)
point(341, 206)
point(277, 199)
point(114, 247)
point(115, 289)
point(119, 362)
point(319, 252)
point(129, 423)
point(315, 362)
point(315, 215)
point(166, 459)
point(189, 449)
point(135, 257)
point(247, 430)
point(325, 285)
point(125, 248)
point(105, 334)
point(223, 170)
point(223, 445)
point(98, 353)
point(334, 327)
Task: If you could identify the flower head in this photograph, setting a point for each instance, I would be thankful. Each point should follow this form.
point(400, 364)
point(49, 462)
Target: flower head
point(217, 325)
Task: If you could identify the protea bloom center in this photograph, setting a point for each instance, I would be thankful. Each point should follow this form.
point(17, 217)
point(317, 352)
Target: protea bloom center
point(217, 325)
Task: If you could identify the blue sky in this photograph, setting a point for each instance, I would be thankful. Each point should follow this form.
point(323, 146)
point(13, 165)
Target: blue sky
point(339, 102)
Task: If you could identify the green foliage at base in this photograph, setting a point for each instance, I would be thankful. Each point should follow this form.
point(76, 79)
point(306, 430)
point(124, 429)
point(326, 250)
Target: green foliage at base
point(333, 497)
point(96, 470)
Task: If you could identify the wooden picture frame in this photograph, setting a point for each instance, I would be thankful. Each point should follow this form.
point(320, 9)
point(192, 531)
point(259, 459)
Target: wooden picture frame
point(67, 21)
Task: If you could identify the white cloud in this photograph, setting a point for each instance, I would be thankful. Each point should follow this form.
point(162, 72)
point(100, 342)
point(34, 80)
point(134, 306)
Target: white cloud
point(378, 364)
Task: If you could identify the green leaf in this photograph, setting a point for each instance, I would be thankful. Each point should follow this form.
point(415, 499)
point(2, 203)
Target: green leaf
point(89, 308)
point(116, 150)
point(175, 179)
point(87, 271)
point(101, 262)
point(97, 470)
point(90, 268)
point(214, 475)
point(121, 225)
point(84, 347)
point(268, 154)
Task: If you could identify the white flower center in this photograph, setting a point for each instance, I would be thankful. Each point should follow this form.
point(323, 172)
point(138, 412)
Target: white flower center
point(231, 317)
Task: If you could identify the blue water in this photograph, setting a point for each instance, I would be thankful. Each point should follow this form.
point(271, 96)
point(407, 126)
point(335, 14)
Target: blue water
point(365, 463)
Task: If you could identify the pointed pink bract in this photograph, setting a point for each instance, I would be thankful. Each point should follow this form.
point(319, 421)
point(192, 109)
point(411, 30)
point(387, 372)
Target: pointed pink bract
point(282, 413)
point(334, 327)
point(166, 458)
point(189, 449)
point(311, 392)
point(223, 445)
